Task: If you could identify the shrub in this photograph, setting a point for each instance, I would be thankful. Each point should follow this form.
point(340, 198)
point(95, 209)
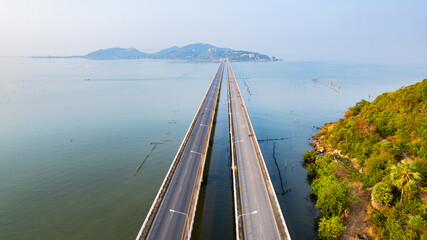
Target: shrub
point(309, 156)
point(333, 196)
point(423, 210)
point(331, 228)
point(393, 230)
point(369, 180)
point(311, 169)
point(417, 223)
point(378, 219)
point(412, 205)
point(383, 194)
point(325, 166)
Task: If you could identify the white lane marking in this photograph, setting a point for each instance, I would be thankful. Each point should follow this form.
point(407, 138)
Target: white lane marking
point(204, 125)
point(195, 152)
point(254, 212)
point(174, 211)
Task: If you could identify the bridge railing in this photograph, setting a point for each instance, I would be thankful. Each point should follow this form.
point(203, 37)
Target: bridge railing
point(142, 234)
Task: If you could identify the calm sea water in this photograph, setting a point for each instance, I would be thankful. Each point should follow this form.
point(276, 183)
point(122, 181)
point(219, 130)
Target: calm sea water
point(72, 132)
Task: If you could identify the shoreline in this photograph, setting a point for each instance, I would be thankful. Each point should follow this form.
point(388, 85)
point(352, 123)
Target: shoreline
point(357, 220)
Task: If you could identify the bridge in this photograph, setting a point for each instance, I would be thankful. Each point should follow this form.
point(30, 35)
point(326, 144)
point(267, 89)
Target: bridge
point(172, 214)
point(257, 211)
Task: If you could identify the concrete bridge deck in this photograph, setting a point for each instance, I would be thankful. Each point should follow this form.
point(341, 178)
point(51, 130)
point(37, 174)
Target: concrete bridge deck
point(257, 211)
point(172, 213)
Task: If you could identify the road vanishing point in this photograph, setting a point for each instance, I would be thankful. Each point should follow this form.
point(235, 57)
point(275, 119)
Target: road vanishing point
point(257, 212)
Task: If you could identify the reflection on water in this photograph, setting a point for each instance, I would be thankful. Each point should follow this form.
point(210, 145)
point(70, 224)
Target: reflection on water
point(73, 131)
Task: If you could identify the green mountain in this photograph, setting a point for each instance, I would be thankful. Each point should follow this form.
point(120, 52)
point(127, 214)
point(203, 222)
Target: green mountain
point(378, 152)
point(116, 53)
point(198, 51)
point(393, 126)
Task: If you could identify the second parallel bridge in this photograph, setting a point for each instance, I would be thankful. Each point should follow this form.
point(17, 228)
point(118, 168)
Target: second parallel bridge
point(172, 213)
point(257, 211)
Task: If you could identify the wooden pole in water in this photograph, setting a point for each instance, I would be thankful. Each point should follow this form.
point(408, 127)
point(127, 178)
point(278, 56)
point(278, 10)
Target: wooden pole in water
point(148, 154)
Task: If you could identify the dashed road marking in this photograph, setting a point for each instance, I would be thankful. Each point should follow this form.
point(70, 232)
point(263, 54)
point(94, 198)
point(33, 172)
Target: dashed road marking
point(195, 152)
point(175, 211)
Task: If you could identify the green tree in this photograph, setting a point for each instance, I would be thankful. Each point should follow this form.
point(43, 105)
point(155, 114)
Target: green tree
point(382, 193)
point(333, 196)
point(417, 223)
point(393, 229)
point(309, 156)
point(331, 228)
point(405, 177)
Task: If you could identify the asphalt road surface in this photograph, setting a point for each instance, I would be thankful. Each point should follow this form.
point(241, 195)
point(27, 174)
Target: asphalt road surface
point(257, 213)
point(171, 220)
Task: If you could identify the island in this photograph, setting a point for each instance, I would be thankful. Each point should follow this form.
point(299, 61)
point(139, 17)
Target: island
point(194, 52)
point(369, 169)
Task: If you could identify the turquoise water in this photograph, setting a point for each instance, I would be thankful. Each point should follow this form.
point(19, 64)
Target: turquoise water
point(69, 146)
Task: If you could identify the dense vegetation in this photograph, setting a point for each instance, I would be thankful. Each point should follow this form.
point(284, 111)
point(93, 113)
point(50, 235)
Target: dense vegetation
point(332, 195)
point(387, 138)
point(383, 132)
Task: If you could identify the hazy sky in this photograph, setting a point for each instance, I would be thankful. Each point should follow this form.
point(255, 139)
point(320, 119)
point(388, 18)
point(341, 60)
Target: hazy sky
point(308, 30)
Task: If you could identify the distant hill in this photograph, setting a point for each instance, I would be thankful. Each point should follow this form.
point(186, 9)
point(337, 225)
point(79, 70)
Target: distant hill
point(116, 53)
point(198, 52)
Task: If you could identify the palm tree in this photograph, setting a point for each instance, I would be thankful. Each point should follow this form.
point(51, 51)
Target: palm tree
point(405, 177)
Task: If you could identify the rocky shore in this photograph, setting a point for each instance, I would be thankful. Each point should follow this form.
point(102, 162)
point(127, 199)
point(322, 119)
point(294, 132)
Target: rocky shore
point(358, 225)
